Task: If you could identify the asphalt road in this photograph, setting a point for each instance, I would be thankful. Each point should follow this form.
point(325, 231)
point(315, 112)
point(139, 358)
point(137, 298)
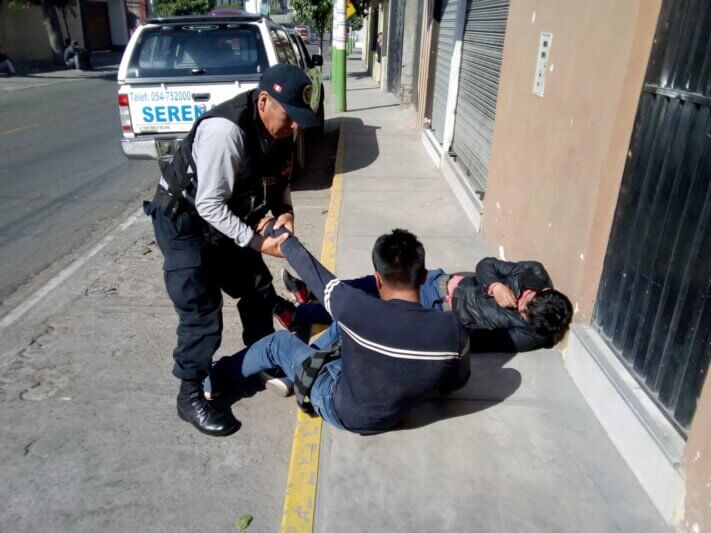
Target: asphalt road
point(63, 176)
point(91, 441)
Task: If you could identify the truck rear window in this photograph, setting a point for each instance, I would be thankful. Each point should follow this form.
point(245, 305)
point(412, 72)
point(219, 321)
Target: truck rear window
point(198, 50)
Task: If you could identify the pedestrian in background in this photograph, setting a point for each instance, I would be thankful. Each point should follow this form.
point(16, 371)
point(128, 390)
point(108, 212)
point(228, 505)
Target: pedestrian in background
point(6, 64)
point(379, 48)
point(77, 57)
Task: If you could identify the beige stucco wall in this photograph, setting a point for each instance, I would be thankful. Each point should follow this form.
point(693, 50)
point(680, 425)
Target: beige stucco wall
point(557, 160)
point(697, 468)
point(22, 34)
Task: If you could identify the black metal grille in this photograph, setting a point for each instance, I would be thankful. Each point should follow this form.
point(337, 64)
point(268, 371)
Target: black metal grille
point(654, 300)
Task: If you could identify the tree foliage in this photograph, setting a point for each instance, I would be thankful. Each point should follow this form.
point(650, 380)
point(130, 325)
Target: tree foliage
point(168, 8)
point(50, 21)
point(316, 13)
point(361, 7)
point(355, 22)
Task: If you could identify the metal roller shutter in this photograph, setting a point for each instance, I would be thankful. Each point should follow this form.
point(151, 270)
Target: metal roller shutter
point(482, 50)
point(445, 47)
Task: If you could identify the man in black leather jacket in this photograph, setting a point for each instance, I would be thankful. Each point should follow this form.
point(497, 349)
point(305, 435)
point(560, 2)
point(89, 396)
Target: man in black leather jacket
point(505, 306)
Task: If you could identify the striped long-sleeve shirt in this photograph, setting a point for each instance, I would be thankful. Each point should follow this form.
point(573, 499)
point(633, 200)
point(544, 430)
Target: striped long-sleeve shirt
point(394, 353)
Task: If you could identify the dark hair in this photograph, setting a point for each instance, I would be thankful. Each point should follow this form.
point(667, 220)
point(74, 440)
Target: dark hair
point(400, 259)
point(550, 313)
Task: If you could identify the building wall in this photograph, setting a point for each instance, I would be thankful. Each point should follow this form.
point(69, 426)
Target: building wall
point(118, 22)
point(697, 468)
point(23, 37)
point(410, 51)
point(557, 160)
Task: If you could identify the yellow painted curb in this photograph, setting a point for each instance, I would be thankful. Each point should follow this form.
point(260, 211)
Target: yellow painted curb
point(300, 499)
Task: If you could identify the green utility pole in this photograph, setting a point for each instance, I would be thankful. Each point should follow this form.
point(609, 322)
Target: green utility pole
point(338, 54)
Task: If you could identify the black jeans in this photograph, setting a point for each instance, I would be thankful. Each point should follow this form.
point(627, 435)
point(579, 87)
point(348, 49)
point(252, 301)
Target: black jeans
point(196, 269)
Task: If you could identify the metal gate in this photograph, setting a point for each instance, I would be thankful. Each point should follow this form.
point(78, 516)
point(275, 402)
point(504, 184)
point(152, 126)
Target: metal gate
point(482, 50)
point(97, 30)
point(447, 14)
point(654, 301)
point(395, 39)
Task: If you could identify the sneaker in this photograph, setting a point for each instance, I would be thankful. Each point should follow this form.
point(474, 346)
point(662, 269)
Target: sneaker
point(279, 384)
point(296, 287)
point(284, 313)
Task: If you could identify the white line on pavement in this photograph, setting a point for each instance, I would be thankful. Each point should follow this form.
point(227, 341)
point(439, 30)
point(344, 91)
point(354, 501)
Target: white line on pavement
point(62, 276)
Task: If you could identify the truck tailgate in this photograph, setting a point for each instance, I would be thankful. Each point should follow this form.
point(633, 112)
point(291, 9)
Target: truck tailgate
point(167, 108)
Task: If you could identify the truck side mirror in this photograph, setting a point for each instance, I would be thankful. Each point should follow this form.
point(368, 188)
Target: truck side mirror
point(317, 60)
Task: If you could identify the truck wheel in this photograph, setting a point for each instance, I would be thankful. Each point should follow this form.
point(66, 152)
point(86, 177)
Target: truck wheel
point(314, 134)
point(300, 151)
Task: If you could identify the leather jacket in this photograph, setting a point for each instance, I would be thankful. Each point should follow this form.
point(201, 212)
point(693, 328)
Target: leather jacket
point(493, 328)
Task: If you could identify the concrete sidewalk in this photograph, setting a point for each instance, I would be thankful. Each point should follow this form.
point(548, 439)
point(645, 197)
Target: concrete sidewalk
point(30, 76)
point(517, 449)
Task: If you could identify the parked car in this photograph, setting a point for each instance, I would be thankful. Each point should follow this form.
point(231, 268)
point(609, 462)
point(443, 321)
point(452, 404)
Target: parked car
point(311, 64)
point(304, 33)
point(175, 69)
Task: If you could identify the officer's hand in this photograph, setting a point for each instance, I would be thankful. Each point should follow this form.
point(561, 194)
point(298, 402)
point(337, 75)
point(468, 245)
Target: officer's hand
point(286, 220)
point(263, 224)
point(503, 295)
point(269, 245)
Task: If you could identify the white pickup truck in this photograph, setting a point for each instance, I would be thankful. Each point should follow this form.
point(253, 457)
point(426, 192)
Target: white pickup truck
point(176, 68)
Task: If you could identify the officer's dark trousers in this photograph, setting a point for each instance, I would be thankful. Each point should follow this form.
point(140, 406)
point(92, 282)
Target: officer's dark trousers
point(195, 272)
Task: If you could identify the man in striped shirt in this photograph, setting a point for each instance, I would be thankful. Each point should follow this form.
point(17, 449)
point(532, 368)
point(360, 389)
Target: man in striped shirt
point(394, 353)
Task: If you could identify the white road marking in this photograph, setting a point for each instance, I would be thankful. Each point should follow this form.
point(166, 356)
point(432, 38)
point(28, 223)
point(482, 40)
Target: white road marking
point(62, 276)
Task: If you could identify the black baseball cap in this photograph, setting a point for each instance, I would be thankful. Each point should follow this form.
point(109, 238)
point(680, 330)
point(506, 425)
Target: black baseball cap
point(291, 87)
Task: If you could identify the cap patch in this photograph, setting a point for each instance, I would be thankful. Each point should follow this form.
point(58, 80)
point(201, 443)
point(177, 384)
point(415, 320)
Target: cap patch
point(278, 88)
point(306, 94)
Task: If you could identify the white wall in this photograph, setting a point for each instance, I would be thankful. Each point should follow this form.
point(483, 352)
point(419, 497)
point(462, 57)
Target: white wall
point(118, 22)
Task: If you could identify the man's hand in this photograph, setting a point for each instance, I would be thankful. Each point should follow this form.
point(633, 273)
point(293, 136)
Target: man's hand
point(268, 245)
point(263, 224)
point(286, 220)
point(503, 295)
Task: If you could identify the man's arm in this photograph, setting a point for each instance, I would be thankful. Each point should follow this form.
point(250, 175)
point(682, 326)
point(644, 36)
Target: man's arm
point(219, 152)
point(336, 296)
point(313, 273)
point(491, 270)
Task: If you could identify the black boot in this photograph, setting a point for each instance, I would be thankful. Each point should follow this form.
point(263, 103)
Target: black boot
point(194, 408)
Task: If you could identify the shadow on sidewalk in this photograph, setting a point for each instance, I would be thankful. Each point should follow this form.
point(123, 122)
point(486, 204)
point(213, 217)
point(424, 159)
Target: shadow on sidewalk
point(361, 146)
point(374, 107)
point(236, 392)
point(320, 159)
point(490, 383)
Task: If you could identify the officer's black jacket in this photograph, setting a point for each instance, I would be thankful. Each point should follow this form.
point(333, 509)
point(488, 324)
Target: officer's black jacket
point(494, 328)
point(266, 175)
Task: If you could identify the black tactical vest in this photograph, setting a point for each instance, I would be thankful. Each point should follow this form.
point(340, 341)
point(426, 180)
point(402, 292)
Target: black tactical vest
point(267, 174)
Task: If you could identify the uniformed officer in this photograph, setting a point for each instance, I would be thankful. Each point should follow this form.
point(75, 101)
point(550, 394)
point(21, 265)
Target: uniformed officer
point(231, 170)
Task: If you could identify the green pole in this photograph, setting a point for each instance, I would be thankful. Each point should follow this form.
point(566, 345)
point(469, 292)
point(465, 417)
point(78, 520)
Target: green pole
point(338, 55)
